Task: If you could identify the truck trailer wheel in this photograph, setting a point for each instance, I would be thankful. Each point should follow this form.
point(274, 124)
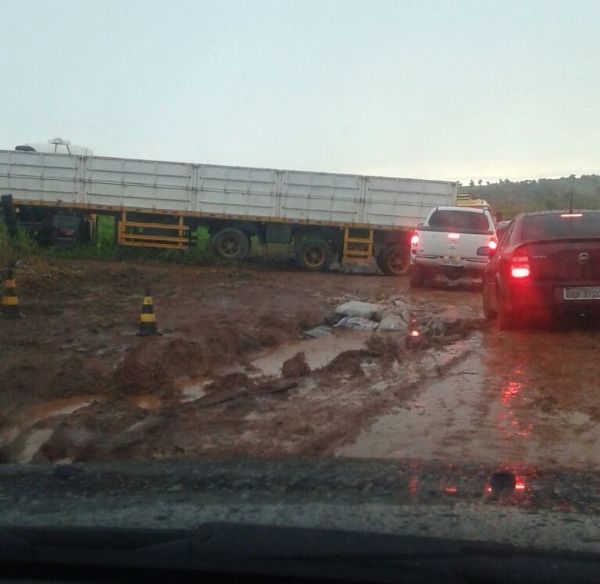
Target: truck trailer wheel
point(231, 244)
point(393, 260)
point(314, 254)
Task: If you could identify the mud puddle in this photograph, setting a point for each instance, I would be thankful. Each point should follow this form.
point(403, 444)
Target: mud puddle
point(31, 439)
point(318, 353)
point(147, 401)
point(43, 411)
point(34, 441)
point(58, 407)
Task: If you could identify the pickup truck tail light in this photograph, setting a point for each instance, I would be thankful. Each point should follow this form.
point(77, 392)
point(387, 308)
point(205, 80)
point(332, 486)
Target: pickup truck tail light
point(519, 267)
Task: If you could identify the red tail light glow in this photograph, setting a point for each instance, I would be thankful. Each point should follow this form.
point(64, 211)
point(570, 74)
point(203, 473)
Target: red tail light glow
point(414, 240)
point(519, 267)
point(493, 244)
point(454, 236)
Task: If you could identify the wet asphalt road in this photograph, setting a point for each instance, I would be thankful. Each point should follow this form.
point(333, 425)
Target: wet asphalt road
point(524, 397)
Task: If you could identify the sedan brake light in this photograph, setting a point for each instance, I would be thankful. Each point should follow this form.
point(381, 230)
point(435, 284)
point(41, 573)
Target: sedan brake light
point(519, 267)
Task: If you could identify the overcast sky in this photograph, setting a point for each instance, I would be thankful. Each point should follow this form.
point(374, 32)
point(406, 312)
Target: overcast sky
point(429, 89)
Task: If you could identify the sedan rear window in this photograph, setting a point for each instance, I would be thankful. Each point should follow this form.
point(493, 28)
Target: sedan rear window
point(460, 221)
point(560, 225)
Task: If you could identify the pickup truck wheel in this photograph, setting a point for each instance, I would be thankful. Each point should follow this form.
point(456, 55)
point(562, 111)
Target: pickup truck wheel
point(416, 278)
point(394, 260)
point(314, 254)
point(231, 244)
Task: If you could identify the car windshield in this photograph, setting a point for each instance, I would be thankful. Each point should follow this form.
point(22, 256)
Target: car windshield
point(460, 221)
point(253, 273)
point(560, 225)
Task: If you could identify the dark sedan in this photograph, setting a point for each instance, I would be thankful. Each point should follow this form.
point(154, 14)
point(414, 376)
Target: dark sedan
point(547, 264)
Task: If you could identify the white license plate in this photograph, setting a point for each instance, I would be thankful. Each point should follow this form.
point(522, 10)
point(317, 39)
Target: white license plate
point(582, 293)
point(451, 261)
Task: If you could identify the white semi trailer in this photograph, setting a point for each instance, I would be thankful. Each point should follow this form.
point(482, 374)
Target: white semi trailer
point(328, 216)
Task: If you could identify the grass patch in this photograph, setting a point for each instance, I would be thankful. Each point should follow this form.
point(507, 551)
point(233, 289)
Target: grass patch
point(105, 247)
point(15, 248)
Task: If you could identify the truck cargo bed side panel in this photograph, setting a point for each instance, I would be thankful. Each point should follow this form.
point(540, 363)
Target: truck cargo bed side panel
point(45, 177)
point(385, 207)
point(313, 196)
point(230, 190)
point(139, 183)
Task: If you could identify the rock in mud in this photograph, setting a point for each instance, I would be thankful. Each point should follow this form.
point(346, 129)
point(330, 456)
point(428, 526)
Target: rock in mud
point(392, 322)
point(319, 331)
point(332, 318)
point(362, 309)
point(295, 366)
point(347, 363)
point(357, 323)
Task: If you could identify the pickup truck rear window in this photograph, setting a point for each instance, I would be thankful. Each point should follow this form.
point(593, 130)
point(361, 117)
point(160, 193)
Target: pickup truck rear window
point(459, 221)
point(559, 226)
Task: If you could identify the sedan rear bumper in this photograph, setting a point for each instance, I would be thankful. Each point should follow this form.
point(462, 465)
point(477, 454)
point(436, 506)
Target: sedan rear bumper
point(544, 297)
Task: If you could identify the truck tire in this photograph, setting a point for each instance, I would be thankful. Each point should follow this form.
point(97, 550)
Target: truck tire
point(314, 254)
point(416, 277)
point(231, 244)
point(394, 260)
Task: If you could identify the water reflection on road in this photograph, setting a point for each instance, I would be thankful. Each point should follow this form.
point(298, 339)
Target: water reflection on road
point(522, 397)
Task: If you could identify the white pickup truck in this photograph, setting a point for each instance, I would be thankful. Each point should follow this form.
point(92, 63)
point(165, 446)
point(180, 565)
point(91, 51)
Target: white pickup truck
point(452, 241)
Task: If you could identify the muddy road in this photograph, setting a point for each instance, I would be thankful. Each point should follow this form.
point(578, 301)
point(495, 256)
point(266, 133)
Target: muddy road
point(233, 373)
point(528, 397)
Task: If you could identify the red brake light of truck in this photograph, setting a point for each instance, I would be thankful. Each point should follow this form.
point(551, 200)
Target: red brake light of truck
point(519, 267)
point(414, 240)
point(454, 236)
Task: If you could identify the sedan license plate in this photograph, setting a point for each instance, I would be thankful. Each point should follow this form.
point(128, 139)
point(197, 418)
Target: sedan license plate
point(453, 261)
point(582, 293)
